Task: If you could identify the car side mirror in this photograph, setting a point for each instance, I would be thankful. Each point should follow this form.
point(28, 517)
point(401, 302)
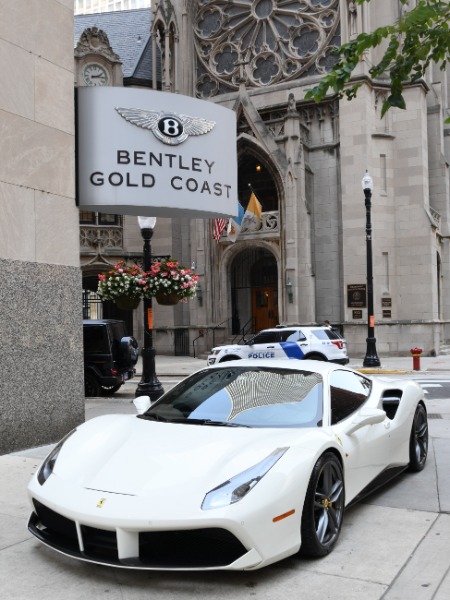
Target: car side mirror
point(365, 417)
point(142, 404)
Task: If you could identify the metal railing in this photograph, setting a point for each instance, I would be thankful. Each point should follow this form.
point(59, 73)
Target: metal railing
point(248, 327)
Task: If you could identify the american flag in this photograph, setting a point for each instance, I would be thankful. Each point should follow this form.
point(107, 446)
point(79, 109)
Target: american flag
point(218, 227)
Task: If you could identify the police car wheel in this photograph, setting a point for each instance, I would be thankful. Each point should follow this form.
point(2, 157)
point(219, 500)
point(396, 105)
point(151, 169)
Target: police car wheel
point(316, 357)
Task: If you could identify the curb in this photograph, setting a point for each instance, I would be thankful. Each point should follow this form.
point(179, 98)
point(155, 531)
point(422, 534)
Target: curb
point(385, 371)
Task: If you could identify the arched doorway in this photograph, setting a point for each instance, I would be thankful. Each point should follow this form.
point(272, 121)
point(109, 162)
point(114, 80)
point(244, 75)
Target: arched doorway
point(254, 290)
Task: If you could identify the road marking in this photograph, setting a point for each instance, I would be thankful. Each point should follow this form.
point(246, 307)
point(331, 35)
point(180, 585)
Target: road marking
point(433, 385)
point(431, 381)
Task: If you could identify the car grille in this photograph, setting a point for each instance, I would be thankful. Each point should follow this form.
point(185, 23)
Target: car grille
point(185, 549)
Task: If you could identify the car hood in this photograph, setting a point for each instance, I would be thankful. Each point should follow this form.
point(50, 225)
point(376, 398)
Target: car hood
point(128, 455)
point(228, 347)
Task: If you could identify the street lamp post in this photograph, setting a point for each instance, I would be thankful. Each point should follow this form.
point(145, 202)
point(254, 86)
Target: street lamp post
point(371, 359)
point(149, 384)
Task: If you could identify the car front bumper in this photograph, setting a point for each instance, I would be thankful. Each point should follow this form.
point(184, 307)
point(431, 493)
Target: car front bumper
point(124, 531)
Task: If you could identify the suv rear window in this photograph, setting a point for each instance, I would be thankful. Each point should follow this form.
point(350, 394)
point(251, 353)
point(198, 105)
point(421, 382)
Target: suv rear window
point(326, 334)
point(118, 331)
point(95, 340)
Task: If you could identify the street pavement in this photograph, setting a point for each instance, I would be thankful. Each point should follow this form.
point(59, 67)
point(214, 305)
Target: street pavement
point(395, 545)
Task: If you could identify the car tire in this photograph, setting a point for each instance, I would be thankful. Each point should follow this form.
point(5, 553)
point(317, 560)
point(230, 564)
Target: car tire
point(323, 510)
point(109, 390)
point(228, 358)
point(418, 441)
point(91, 386)
point(316, 357)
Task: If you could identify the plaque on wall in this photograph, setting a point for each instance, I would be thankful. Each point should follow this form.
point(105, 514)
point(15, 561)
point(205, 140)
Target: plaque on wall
point(386, 314)
point(356, 295)
point(357, 314)
point(386, 302)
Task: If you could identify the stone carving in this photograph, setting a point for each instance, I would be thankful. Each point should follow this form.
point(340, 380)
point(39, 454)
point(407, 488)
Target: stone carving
point(95, 41)
point(262, 42)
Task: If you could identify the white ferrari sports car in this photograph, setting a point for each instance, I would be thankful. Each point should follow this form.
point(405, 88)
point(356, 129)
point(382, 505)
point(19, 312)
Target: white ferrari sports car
point(240, 465)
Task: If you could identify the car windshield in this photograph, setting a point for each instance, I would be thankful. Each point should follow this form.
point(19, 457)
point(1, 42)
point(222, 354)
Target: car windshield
point(245, 397)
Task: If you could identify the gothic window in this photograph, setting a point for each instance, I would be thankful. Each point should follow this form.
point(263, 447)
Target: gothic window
point(95, 218)
point(262, 42)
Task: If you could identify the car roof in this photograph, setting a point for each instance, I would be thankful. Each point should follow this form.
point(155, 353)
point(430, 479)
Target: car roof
point(302, 327)
point(315, 366)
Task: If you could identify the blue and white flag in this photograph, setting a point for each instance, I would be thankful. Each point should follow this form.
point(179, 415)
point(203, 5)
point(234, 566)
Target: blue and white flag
point(234, 224)
point(248, 220)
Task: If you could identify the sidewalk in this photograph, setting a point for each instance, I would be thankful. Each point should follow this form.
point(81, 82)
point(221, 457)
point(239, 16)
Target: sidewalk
point(180, 366)
point(394, 545)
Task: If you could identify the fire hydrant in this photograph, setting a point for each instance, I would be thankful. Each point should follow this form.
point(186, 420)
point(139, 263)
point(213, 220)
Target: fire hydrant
point(415, 353)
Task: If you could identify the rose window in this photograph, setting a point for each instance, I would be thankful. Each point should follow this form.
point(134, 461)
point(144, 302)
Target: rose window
point(262, 42)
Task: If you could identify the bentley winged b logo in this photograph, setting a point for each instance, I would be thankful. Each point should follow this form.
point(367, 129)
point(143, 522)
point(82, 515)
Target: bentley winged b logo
point(170, 128)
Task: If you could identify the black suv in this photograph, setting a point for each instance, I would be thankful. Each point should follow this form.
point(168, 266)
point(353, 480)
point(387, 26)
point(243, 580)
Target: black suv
point(109, 356)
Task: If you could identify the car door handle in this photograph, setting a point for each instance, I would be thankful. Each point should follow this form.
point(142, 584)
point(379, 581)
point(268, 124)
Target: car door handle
point(270, 347)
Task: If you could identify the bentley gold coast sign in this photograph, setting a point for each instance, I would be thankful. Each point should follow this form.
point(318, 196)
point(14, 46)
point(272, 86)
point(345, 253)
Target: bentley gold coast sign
point(150, 153)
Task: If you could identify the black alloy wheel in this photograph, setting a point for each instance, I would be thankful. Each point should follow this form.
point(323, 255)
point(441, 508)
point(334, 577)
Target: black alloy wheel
point(91, 386)
point(109, 390)
point(418, 442)
point(323, 511)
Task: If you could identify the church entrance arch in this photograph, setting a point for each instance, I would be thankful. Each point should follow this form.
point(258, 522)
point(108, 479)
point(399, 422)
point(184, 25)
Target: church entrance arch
point(254, 290)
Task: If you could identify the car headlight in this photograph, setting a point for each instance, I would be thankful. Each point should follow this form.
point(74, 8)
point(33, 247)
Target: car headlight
point(215, 351)
point(49, 463)
point(237, 487)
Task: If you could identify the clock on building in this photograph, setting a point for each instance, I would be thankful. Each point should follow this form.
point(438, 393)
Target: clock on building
point(95, 74)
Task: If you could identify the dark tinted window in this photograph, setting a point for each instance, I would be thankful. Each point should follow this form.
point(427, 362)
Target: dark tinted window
point(95, 340)
point(348, 392)
point(117, 331)
point(266, 337)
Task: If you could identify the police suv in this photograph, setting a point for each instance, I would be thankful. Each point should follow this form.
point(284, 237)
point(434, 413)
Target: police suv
point(314, 343)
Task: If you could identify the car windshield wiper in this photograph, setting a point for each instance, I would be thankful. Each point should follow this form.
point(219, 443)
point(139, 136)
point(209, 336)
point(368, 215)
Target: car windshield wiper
point(154, 417)
point(157, 417)
point(207, 422)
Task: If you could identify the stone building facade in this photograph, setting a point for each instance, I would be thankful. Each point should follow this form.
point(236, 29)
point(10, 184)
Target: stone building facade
point(41, 390)
point(305, 162)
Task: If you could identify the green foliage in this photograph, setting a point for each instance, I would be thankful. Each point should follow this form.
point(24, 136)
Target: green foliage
point(421, 36)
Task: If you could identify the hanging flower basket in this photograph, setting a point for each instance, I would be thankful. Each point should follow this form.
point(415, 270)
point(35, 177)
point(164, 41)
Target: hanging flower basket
point(123, 284)
point(126, 303)
point(167, 299)
point(170, 283)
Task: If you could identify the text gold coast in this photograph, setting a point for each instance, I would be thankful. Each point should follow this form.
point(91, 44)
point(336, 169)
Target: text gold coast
point(184, 172)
